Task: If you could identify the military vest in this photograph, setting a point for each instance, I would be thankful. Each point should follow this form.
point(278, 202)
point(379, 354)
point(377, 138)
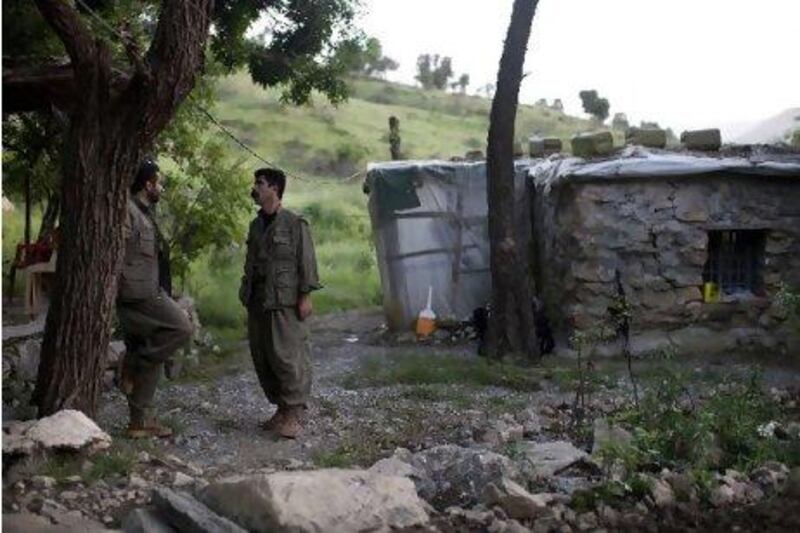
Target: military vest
point(271, 267)
point(139, 277)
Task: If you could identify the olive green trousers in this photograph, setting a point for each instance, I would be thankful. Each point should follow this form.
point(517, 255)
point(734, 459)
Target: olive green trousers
point(280, 350)
point(154, 329)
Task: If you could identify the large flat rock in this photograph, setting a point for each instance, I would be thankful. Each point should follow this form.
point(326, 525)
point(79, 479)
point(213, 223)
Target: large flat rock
point(318, 500)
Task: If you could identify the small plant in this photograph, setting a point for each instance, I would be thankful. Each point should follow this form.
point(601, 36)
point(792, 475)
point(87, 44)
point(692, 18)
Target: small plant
point(726, 429)
point(112, 463)
point(61, 466)
point(342, 456)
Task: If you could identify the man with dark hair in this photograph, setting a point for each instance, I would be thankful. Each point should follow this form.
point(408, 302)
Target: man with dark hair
point(153, 324)
point(280, 272)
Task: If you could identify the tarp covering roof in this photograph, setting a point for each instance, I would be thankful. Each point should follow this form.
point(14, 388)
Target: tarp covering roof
point(639, 162)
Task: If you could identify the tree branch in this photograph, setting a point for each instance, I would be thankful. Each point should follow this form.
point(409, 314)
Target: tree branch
point(40, 87)
point(67, 24)
point(176, 56)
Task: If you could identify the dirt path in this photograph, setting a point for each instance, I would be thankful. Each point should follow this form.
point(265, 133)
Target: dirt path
point(217, 412)
point(217, 417)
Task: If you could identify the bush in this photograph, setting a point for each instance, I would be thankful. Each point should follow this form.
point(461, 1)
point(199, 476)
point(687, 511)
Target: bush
point(727, 429)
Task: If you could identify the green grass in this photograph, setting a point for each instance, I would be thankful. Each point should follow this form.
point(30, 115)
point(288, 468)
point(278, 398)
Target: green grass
point(115, 462)
point(119, 460)
point(433, 124)
point(417, 369)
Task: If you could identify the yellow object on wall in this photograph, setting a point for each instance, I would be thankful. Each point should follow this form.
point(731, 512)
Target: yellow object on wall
point(710, 292)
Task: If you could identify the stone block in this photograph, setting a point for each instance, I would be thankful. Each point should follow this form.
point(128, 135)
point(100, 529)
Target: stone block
point(542, 147)
point(592, 144)
point(704, 140)
point(691, 206)
point(649, 342)
point(651, 137)
point(700, 340)
point(685, 295)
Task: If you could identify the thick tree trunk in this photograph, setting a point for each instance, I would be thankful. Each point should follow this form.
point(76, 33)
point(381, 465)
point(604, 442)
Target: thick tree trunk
point(105, 141)
point(511, 327)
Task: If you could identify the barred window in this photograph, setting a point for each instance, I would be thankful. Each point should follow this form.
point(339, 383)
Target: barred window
point(735, 260)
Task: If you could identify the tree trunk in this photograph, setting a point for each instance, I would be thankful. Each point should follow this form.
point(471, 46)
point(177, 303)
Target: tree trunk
point(511, 323)
point(106, 138)
point(50, 216)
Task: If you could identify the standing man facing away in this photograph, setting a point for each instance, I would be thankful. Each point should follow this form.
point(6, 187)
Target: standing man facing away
point(280, 272)
point(153, 324)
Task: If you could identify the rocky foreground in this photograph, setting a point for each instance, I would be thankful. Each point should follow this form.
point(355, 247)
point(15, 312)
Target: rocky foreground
point(373, 458)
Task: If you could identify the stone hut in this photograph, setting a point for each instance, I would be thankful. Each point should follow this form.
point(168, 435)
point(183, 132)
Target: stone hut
point(699, 242)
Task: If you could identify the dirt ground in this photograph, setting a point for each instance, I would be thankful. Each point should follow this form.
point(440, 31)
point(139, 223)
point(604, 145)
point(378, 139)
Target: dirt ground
point(216, 410)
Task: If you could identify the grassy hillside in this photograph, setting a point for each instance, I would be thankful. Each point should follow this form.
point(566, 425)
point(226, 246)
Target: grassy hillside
point(323, 140)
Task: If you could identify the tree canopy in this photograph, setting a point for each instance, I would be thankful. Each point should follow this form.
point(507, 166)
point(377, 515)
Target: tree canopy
point(594, 104)
point(434, 71)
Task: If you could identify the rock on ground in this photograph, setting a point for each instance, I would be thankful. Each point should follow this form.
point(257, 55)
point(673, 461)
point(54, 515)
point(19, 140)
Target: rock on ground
point(318, 500)
point(452, 475)
point(548, 458)
point(517, 502)
point(68, 429)
point(185, 513)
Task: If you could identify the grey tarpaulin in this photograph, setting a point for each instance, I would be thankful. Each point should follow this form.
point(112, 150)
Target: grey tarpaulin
point(430, 226)
point(639, 162)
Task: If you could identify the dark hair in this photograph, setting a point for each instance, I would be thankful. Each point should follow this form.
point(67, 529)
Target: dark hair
point(147, 172)
point(273, 176)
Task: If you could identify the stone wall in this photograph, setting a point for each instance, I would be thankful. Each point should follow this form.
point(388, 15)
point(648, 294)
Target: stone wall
point(654, 230)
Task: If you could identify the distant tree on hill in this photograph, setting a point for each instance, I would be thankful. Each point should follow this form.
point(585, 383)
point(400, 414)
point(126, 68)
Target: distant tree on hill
point(541, 102)
point(594, 104)
point(558, 105)
point(795, 141)
point(434, 71)
point(620, 122)
point(461, 84)
point(365, 57)
point(487, 89)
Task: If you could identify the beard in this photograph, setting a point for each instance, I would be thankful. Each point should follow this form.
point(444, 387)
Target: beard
point(153, 197)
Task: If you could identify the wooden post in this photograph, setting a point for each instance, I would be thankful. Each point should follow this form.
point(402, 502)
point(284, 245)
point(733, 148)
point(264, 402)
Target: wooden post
point(455, 277)
point(394, 138)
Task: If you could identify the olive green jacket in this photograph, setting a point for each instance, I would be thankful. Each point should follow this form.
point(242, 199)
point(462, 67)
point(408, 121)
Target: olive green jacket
point(138, 279)
point(280, 262)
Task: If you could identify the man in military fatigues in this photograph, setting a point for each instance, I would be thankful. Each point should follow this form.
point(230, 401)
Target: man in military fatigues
point(153, 324)
point(280, 272)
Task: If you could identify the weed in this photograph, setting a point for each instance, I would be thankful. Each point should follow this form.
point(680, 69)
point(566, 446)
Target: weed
point(61, 466)
point(673, 428)
point(119, 462)
point(343, 456)
point(174, 422)
point(328, 408)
